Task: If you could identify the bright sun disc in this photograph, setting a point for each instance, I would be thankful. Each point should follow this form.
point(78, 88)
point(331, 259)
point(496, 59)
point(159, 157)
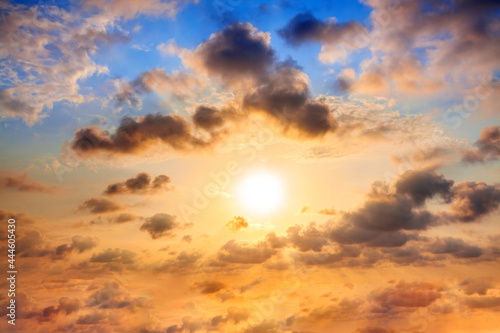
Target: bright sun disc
point(261, 192)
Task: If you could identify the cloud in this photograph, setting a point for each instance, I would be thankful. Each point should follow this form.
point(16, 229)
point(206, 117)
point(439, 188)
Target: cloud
point(100, 205)
point(56, 50)
point(184, 262)
point(211, 118)
point(474, 200)
point(238, 52)
point(142, 183)
point(475, 302)
point(305, 28)
point(479, 286)
point(344, 309)
point(244, 253)
point(403, 294)
point(209, 287)
point(415, 46)
point(67, 305)
point(177, 85)
point(421, 185)
point(456, 247)
point(23, 184)
point(78, 243)
point(133, 136)
point(374, 330)
point(159, 225)
point(237, 223)
point(117, 9)
point(114, 256)
point(487, 147)
point(124, 218)
point(286, 99)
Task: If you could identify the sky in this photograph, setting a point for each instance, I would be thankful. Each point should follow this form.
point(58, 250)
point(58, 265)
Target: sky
point(250, 166)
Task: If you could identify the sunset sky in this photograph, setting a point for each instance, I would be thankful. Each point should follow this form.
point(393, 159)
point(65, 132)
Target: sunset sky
point(248, 166)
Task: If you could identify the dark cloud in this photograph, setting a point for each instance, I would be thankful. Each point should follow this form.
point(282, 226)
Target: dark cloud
point(348, 234)
point(142, 183)
point(487, 147)
point(134, 135)
point(421, 185)
point(209, 117)
point(237, 223)
point(237, 52)
point(159, 225)
point(243, 253)
point(456, 247)
point(24, 184)
point(78, 243)
point(473, 200)
point(100, 205)
point(390, 214)
point(305, 27)
point(286, 99)
point(209, 287)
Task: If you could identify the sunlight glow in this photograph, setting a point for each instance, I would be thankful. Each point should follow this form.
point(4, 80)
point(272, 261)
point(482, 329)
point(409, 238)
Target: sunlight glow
point(261, 192)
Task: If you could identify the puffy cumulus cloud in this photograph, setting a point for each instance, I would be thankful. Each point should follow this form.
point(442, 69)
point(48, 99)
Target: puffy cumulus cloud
point(238, 52)
point(458, 39)
point(48, 52)
point(421, 185)
point(487, 147)
point(23, 183)
point(210, 118)
point(286, 99)
point(159, 225)
point(237, 223)
point(403, 294)
point(456, 247)
point(100, 205)
point(335, 36)
point(78, 243)
point(209, 287)
point(244, 253)
point(142, 183)
point(177, 85)
point(474, 200)
point(133, 136)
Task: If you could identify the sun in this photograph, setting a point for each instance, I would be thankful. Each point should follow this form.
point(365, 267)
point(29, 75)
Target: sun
point(261, 192)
